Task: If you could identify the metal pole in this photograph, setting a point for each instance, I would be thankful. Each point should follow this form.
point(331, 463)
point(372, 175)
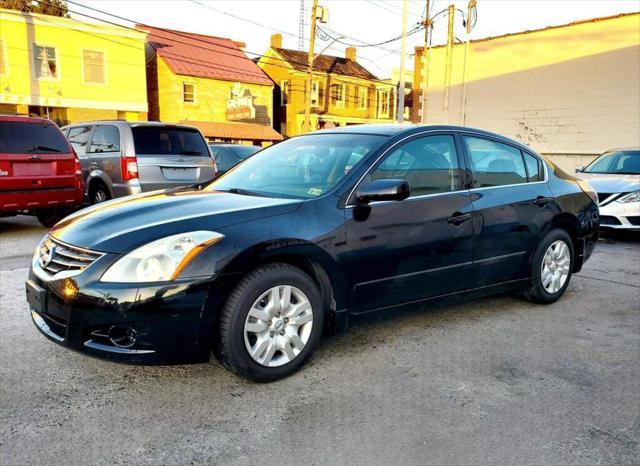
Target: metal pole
point(447, 70)
point(307, 90)
point(470, 7)
point(403, 51)
point(425, 62)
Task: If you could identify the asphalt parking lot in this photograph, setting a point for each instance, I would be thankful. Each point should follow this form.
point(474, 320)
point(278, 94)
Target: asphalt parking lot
point(493, 381)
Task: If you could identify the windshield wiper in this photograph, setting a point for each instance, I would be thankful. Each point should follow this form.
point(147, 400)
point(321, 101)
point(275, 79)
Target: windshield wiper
point(47, 148)
point(244, 192)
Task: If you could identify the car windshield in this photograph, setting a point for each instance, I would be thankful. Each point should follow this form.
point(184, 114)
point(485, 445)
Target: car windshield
point(623, 162)
point(167, 140)
point(242, 152)
point(301, 167)
point(31, 138)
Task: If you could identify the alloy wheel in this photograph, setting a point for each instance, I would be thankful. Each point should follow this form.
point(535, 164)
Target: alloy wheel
point(99, 196)
point(556, 264)
point(278, 326)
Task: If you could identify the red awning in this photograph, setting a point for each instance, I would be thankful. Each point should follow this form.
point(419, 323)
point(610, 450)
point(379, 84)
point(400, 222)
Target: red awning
point(240, 131)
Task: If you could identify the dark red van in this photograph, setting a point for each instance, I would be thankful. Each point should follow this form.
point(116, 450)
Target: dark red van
point(39, 170)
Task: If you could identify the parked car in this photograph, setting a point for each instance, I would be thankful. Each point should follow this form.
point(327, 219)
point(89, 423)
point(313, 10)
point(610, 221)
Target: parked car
point(230, 155)
point(120, 158)
point(615, 175)
point(39, 172)
point(258, 262)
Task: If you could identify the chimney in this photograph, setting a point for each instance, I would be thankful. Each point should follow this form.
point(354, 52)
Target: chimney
point(350, 53)
point(276, 41)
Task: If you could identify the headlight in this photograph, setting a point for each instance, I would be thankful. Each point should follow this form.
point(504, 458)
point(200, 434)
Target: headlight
point(631, 197)
point(588, 190)
point(160, 260)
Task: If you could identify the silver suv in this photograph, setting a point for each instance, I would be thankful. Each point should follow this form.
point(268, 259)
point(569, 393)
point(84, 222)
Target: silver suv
point(119, 158)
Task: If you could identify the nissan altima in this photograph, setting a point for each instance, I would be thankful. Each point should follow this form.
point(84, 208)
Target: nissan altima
point(292, 242)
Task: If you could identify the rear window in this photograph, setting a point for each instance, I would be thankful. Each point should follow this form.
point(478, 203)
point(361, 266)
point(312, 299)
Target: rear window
point(160, 140)
point(244, 151)
point(31, 138)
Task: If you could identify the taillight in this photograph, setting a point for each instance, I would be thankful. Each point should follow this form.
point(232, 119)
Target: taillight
point(76, 164)
point(129, 168)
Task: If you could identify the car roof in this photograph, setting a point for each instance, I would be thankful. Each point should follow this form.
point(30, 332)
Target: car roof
point(132, 124)
point(24, 119)
point(226, 144)
point(401, 130)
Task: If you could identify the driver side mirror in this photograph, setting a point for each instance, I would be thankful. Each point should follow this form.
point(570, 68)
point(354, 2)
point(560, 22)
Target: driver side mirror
point(383, 190)
point(579, 169)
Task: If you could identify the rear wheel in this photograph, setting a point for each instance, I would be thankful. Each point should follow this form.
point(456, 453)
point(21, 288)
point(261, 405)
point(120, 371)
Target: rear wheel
point(50, 217)
point(99, 193)
point(551, 268)
point(271, 323)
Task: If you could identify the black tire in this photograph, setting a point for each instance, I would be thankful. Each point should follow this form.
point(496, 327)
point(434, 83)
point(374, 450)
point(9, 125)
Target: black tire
point(99, 193)
point(50, 217)
point(232, 350)
point(536, 291)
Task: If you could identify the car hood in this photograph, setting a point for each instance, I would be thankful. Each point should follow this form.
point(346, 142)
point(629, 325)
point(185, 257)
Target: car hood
point(124, 224)
point(611, 183)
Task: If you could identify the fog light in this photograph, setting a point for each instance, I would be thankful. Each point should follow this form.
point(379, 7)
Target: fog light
point(69, 289)
point(123, 337)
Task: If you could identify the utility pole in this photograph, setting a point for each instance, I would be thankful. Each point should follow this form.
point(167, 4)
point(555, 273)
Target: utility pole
point(470, 12)
point(301, 27)
point(426, 55)
point(447, 71)
point(307, 90)
point(403, 51)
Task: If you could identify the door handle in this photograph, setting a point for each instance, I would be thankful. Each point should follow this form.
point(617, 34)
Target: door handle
point(458, 218)
point(541, 201)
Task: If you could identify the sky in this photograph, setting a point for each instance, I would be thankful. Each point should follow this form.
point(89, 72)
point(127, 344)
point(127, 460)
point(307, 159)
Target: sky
point(361, 21)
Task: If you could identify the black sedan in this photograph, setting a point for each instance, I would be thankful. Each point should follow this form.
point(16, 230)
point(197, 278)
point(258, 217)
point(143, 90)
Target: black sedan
point(257, 264)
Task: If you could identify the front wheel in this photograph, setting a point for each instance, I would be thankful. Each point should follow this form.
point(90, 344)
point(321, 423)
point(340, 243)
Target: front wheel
point(270, 323)
point(551, 268)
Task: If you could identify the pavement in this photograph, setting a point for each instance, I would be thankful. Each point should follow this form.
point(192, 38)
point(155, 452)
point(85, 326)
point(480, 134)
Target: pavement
point(491, 381)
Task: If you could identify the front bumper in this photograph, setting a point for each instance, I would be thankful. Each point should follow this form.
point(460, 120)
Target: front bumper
point(132, 323)
point(620, 216)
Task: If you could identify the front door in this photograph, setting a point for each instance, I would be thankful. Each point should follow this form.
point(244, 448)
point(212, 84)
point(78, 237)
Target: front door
point(405, 251)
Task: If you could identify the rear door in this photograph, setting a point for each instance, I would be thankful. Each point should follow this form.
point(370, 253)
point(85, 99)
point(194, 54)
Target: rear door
point(104, 152)
point(34, 155)
point(170, 156)
point(512, 204)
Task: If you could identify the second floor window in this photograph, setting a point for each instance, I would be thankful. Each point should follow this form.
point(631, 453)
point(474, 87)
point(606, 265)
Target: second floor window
point(363, 97)
point(315, 93)
point(44, 61)
point(93, 66)
point(188, 92)
point(338, 95)
point(284, 92)
point(383, 103)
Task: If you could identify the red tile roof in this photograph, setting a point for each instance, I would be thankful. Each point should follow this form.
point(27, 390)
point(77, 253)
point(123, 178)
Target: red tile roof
point(241, 131)
point(203, 56)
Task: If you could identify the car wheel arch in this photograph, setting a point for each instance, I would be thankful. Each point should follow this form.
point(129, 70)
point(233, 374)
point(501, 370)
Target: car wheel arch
point(94, 181)
point(571, 225)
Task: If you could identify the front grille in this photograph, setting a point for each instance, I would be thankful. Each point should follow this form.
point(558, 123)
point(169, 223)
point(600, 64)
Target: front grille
point(609, 220)
point(56, 257)
point(634, 220)
point(56, 324)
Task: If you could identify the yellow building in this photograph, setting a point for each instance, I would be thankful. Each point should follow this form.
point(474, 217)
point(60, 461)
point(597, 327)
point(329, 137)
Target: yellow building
point(70, 71)
point(343, 92)
point(210, 83)
point(569, 91)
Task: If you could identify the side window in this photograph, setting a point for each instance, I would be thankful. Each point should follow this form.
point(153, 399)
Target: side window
point(429, 164)
point(105, 139)
point(534, 168)
point(494, 163)
point(79, 138)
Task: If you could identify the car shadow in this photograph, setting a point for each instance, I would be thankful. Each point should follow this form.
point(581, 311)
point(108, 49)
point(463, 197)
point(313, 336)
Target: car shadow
point(612, 236)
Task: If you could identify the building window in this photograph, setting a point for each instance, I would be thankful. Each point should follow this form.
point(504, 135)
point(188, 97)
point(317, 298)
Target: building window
point(44, 61)
point(93, 66)
point(383, 103)
point(337, 95)
point(284, 92)
point(363, 97)
point(315, 93)
point(188, 93)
